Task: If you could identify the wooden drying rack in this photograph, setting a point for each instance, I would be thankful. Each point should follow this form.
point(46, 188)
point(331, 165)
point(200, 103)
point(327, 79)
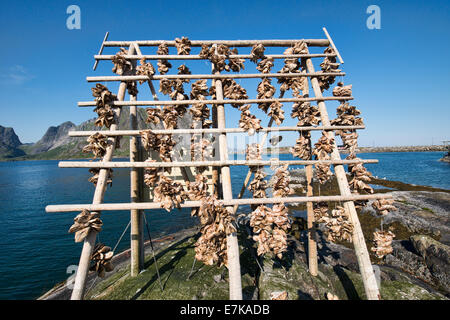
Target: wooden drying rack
point(221, 167)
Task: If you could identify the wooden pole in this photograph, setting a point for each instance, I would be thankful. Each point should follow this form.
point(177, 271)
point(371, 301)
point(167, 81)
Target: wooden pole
point(143, 164)
point(192, 204)
point(89, 241)
point(230, 43)
point(312, 243)
point(310, 220)
point(137, 245)
point(99, 56)
point(211, 76)
point(234, 267)
point(365, 266)
point(206, 101)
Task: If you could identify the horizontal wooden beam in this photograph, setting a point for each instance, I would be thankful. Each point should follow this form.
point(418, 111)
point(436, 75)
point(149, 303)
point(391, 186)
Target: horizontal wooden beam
point(197, 57)
point(126, 164)
point(192, 204)
point(213, 76)
point(206, 101)
point(214, 130)
point(231, 43)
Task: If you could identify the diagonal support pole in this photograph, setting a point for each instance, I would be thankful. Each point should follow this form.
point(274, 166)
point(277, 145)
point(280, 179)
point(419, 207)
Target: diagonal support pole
point(365, 266)
point(89, 241)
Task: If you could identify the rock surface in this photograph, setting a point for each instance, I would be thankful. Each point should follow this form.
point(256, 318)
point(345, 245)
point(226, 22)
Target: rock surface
point(9, 143)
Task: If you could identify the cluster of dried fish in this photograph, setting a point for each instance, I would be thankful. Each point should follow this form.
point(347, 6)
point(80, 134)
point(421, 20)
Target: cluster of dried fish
point(84, 222)
point(145, 69)
point(270, 225)
point(132, 88)
point(320, 210)
point(347, 116)
point(219, 56)
point(293, 65)
point(307, 115)
point(232, 90)
point(322, 150)
point(384, 206)
point(163, 64)
point(382, 241)
point(121, 65)
point(342, 91)
point(217, 224)
point(198, 189)
point(104, 101)
point(280, 182)
point(329, 65)
point(183, 46)
point(95, 174)
point(269, 228)
point(200, 111)
point(248, 121)
point(338, 225)
point(274, 109)
point(258, 185)
point(151, 174)
point(169, 193)
point(266, 63)
point(253, 152)
point(360, 175)
point(163, 143)
point(97, 145)
point(101, 257)
point(201, 149)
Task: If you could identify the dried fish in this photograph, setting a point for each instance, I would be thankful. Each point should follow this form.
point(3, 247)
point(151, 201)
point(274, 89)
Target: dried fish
point(163, 64)
point(169, 193)
point(97, 145)
point(360, 175)
point(154, 115)
point(258, 185)
point(276, 112)
point(217, 223)
point(234, 91)
point(320, 210)
point(101, 258)
point(338, 225)
point(382, 241)
point(151, 174)
point(84, 222)
point(198, 189)
point(384, 206)
point(265, 90)
point(132, 88)
point(248, 121)
point(328, 65)
point(302, 147)
point(322, 150)
point(121, 65)
point(104, 101)
point(280, 182)
point(342, 91)
point(265, 65)
point(183, 46)
point(163, 143)
point(257, 52)
point(96, 172)
point(145, 69)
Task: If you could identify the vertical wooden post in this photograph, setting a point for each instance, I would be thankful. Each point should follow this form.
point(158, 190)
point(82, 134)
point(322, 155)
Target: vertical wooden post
point(137, 245)
point(311, 225)
point(365, 266)
point(234, 267)
point(89, 241)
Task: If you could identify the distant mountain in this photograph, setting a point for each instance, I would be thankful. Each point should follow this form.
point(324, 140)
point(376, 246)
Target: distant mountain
point(9, 144)
point(56, 143)
point(53, 138)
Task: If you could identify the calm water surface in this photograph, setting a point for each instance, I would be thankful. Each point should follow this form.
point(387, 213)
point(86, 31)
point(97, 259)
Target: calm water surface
point(36, 249)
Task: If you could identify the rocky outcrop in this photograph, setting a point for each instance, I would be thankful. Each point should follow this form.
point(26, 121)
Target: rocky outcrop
point(9, 143)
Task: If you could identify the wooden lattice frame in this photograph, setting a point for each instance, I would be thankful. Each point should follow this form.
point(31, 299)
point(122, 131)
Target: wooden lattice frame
point(222, 165)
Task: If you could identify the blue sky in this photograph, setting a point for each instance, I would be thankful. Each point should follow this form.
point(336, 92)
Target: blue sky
point(400, 73)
